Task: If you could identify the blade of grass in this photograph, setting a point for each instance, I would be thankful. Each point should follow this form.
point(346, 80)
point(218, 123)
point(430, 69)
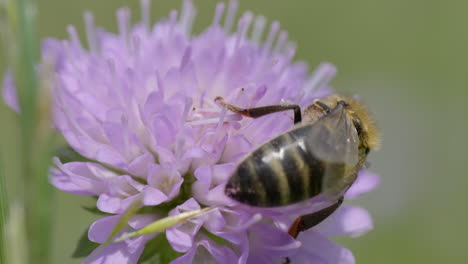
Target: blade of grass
point(34, 153)
point(121, 224)
point(163, 224)
point(3, 214)
point(18, 26)
point(26, 79)
point(155, 227)
point(26, 84)
point(45, 197)
point(16, 235)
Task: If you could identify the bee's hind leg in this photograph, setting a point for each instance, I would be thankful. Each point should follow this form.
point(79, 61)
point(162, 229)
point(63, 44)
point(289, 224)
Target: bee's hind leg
point(305, 222)
point(263, 110)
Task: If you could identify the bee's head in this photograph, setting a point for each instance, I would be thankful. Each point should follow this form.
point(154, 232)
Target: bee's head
point(363, 122)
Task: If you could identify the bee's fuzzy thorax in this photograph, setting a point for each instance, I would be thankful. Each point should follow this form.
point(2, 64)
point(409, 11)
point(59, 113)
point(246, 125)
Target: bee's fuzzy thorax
point(370, 137)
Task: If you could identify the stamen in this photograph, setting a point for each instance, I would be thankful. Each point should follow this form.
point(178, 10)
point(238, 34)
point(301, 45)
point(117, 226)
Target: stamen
point(208, 110)
point(180, 141)
point(202, 99)
point(243, 27)
point(126, 135)
point(220, 122)
point(123, 19)
point(116, 90)
point(74, 39)
point(283, 37)
point(70, 118)
point(135, 45)
point(90, 32)
point(70, 54)
point(264, 68)
point(185, 58)
point(241, 96)
point(271, 36)
point(322, 76)
point(172, 20)
point(173, 16)
point(212, 103)
point(259, 26)
point(214, 120)
point(187, 16)
point(218, 13)
point(145, 14)
point(187, 106)
point(290, 52)
point(159, 83)
point(230, 15)
point(290, 246)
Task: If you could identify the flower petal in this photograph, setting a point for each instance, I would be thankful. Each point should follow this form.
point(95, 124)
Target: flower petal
point(117, 253)
point(108, 203)
point(182, 237)
point(365, 182)
point(100, 230)
point(78, 178)
point(319, 249)
point(268, 242)
point(206, 251)
point(346, 221)
point(9, 92)
point(181, 240)
point(153, 196)
point(139, 166)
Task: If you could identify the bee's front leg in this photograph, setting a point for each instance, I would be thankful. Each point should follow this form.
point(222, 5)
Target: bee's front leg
point(263, 110)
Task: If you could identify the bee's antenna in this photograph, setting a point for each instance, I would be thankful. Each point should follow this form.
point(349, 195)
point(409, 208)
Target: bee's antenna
point(343, 103)
point(325, 107)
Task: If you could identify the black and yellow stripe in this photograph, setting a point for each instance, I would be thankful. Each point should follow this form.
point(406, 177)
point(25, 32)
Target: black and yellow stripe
point(280, 172)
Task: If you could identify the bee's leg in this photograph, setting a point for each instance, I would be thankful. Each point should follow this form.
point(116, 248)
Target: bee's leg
point(305, 222)
point(263, 110)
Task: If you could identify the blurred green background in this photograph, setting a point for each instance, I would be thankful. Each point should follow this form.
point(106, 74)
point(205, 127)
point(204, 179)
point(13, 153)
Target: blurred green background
point(408, 60)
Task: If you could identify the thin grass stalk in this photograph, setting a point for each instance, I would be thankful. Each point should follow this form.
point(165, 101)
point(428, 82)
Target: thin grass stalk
point(16, 236)
point(46, 200)
point(37, 196)
point(3, 214)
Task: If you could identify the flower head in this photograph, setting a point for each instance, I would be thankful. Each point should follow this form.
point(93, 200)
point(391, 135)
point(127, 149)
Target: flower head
point(139, 106)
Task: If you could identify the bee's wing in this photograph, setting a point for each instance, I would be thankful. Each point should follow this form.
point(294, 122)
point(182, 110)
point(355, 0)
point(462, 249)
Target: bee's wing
point(334, 141)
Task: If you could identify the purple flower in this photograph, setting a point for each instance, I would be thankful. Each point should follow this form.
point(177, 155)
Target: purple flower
point(139, 105)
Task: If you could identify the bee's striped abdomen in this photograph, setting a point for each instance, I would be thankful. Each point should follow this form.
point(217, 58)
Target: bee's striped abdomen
point(280, 172)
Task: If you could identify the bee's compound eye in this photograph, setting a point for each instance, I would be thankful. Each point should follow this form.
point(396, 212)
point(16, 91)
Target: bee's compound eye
point(357, 124)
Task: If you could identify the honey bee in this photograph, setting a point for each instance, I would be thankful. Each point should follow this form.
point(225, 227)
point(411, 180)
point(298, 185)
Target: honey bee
point(320, 155)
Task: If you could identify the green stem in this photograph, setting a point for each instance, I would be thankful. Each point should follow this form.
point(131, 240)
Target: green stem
point(3, 214)
point(45, 199)
point(37, 197)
